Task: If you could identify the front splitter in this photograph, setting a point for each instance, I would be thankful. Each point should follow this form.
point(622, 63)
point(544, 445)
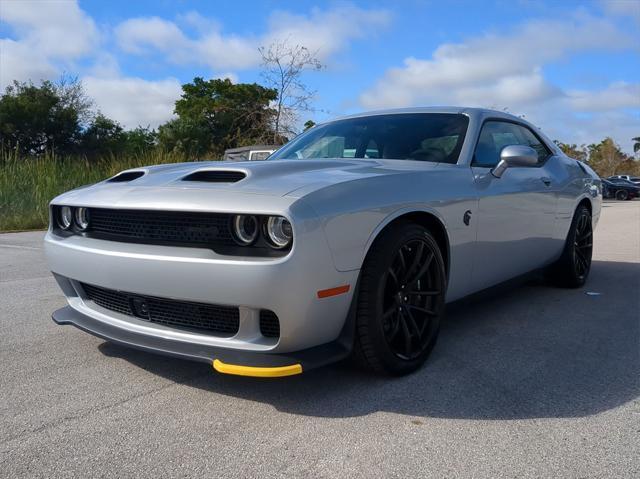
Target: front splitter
point(227, 361)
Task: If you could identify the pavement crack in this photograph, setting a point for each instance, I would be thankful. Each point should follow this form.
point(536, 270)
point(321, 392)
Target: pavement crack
point(15, 246)
point(91, 411)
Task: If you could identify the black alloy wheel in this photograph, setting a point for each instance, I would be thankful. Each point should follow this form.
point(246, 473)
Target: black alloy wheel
point(583, 245)
point(410, 292)
point(573, 267)
point(400, 300)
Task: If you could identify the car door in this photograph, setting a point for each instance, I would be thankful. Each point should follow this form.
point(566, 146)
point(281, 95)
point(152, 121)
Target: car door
point(516, 212)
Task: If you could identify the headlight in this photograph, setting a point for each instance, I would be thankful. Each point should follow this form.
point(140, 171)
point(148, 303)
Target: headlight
point(65, 217)
point(279, 231)
point(245, 229)
point(82, 218)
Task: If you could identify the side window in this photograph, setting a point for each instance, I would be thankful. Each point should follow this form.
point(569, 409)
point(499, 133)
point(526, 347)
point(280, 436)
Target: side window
point(492, 138)
point(529, 139)
point(495, 135)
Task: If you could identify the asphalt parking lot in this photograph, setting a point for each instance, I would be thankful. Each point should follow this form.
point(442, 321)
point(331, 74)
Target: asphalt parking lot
point(530, 381)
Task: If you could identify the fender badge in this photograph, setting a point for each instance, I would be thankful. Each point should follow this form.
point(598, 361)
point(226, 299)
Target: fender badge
point(467, 217)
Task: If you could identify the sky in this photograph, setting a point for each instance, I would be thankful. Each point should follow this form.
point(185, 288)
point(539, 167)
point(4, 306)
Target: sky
point(572, 68)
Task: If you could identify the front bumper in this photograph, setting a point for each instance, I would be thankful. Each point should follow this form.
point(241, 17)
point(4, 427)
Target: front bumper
point(224, 360)
point(287, 286)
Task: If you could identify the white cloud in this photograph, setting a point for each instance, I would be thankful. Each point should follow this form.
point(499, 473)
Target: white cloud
point(57, 28)
point(616, 95)
point(134, 101)
point(139, 35)
point(496, 70)
point(506, 71)
point(492, 69)
point(623, 8)
point(153, 34)
point(50, 36)
point(324, 31)
point(19, 61)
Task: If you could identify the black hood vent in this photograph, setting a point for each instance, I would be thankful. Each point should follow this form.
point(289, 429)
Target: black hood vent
point(216, 176)
point(127, 176)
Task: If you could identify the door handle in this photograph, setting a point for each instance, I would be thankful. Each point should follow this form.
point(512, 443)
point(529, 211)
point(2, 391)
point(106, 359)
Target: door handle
point(546, 181)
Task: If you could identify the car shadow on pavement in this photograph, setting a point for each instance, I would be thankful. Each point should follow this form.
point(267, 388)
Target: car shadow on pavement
point(523, 351)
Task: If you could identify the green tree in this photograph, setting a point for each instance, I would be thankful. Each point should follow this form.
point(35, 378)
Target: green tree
point(35, 119)
point(606, 157)
point(636, 144)
point(72, 95)
point(217, 114)
point(140, 140)
point(102, 136)
point(309, 124)
point(573, 151)
point(182, 135)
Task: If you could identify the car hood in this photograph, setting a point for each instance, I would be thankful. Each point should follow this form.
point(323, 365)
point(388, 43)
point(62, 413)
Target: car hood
point(279, 178)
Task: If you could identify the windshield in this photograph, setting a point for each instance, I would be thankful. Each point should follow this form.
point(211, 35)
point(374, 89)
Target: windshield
point(434, 137)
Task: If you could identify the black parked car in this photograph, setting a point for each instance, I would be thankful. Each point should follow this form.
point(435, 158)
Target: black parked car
point(633, 179)
point(619, 189)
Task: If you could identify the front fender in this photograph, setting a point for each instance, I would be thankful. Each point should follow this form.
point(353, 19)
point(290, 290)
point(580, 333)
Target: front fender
point(353, 214)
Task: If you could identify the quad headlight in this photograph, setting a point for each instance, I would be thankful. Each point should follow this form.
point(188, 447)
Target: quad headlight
point(279, 231)
point(65, 217)
point(72, 218)
point(82, 218)
point(245, 229)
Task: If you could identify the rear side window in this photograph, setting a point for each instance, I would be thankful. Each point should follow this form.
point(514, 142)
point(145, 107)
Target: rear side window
point(495, 135)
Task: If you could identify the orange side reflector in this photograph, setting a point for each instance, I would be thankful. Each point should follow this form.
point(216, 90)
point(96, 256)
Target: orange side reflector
point(326, 293)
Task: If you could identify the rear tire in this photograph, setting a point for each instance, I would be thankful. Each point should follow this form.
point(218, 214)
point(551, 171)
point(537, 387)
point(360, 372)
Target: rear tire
point(572, 269)
point(622, 195)
point(400, 301)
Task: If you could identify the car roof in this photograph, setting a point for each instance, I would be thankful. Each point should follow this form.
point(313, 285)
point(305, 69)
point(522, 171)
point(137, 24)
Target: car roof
point(471, 111)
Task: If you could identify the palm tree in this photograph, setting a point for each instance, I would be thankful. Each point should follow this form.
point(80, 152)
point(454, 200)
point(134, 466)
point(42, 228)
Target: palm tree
point(636, 144)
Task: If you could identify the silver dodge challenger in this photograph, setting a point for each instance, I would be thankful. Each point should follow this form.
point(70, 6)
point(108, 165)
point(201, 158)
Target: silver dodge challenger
point(347, 241)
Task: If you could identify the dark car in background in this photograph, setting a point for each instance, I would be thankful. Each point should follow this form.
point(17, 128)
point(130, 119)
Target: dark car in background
point(619, 189)
point(633, 179)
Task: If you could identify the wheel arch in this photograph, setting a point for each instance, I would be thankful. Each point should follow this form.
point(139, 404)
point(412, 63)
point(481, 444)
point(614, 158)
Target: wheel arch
point(428, 219)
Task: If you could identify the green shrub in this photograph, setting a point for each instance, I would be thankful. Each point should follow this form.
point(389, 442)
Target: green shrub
point(27, 185)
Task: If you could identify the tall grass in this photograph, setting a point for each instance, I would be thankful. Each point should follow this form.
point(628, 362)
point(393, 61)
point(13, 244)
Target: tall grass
point(28, 184)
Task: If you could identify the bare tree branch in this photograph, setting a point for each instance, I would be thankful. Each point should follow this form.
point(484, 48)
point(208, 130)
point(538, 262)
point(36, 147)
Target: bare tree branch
point(283, 65)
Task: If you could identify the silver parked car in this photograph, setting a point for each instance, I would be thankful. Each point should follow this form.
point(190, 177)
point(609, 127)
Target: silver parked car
point(349, 239)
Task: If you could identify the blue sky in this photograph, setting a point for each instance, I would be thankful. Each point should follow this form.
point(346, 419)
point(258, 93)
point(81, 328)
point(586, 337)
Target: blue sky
point(573, 68)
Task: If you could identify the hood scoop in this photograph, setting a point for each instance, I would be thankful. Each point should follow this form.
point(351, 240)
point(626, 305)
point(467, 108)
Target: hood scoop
point(216, 176)
point(126, 176)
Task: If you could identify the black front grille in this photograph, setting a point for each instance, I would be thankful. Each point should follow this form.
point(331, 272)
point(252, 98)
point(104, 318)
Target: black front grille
point(168, 228)
point(172, 227)
point(209, 318)
point(269, 324)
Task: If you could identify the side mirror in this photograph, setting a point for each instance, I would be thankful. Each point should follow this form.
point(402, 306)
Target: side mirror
point(515, 155)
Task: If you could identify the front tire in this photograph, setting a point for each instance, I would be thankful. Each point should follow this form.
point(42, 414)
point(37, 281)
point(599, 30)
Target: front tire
point(572, 269)
point(400, 300)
